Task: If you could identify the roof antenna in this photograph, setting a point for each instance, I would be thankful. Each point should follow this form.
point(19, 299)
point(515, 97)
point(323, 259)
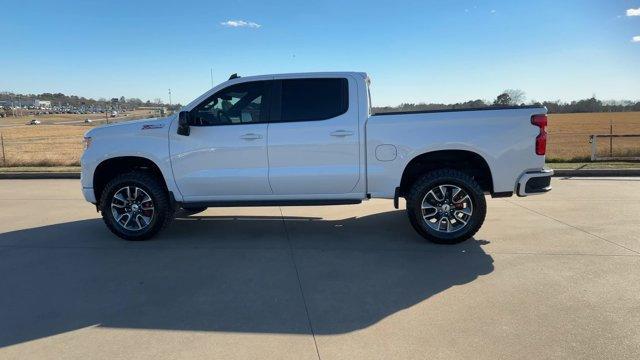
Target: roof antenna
point(233, 76)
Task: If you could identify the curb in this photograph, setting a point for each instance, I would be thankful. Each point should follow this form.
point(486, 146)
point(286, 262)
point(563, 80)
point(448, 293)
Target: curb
point(597, 173)
point(557, 173)
point(40, 175)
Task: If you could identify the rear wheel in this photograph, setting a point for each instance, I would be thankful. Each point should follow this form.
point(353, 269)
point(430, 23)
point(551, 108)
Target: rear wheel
point(446, 206)
point(135, 206)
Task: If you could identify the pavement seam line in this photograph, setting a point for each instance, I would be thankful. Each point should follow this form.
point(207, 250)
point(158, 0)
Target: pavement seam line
point(574, 227)
point(295, 266)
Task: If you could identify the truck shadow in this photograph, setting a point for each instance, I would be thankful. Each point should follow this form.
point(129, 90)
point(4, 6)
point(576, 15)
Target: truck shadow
point(228, 274)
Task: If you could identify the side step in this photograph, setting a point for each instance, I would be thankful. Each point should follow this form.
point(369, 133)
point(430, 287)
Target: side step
point(241, 203)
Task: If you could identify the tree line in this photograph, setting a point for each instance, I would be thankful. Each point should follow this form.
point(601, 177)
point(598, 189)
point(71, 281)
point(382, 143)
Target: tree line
point(511, 97)
point(514, 97)
point(59, 99)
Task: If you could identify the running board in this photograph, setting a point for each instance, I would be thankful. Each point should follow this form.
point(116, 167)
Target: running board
point(242, 203)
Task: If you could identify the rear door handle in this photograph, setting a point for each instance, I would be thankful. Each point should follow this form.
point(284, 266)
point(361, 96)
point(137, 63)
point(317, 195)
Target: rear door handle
point(251, 136)
point(341, 133)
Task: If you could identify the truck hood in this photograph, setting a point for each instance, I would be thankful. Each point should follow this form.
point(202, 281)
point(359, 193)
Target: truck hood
point(129, 127)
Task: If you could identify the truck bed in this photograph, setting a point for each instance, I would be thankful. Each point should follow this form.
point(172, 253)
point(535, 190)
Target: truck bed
point(503, 136)
point(486, 108)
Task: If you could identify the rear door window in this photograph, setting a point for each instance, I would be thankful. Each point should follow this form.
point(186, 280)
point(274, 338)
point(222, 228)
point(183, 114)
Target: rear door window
point(313, 99)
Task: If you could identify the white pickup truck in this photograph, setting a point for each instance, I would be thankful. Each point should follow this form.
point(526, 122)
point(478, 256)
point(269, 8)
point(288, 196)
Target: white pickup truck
point(311, 139)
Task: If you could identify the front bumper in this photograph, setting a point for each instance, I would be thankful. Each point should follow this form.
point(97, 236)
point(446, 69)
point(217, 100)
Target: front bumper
point(89, 195)
point(534, 182)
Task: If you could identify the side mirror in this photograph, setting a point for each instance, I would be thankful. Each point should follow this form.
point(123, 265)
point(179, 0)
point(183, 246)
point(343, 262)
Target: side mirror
point(183, 123)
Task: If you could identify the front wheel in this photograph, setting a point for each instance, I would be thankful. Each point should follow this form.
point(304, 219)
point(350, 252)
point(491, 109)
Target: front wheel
point(446, 206)
point(135, 206)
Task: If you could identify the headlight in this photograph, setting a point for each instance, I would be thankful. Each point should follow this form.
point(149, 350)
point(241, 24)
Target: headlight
point(87, 142)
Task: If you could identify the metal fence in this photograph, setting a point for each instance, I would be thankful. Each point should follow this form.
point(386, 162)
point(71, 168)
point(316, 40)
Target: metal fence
point(580, 147)
point(618, 147)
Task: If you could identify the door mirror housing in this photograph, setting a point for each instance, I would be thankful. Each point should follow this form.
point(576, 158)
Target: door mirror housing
point(183, 123)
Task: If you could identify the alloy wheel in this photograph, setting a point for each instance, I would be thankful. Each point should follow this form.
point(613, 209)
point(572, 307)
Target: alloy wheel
point(447, 208)
point(132, 208)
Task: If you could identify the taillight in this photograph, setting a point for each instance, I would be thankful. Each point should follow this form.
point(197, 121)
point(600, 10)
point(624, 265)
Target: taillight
point(541, 140)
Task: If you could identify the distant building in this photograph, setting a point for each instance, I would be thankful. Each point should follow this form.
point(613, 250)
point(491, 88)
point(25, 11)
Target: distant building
point(43, 104)
point(26, 103)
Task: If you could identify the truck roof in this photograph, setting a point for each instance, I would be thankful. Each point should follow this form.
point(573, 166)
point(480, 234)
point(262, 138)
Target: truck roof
point(304, 74)
point(239, 79)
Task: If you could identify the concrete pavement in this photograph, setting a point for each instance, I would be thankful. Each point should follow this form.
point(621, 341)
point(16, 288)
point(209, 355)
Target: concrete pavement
point(556, 276)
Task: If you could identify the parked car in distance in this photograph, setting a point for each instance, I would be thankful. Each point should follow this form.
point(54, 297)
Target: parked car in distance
point(114, 113)
point(88, 120)
point(311, 139)
point(35, 122)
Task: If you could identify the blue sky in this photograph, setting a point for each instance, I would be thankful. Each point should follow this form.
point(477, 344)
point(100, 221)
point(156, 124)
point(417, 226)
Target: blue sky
point(430, 51)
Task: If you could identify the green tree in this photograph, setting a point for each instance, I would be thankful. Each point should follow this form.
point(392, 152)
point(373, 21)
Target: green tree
point(502, 100)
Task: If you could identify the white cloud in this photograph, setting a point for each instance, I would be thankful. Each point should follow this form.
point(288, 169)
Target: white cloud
point(493, 11)
point(240, 23)
point(636, 39)
point(633, 12)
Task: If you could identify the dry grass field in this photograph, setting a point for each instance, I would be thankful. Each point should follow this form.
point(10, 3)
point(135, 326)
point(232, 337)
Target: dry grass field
point(55, 142)
point(43, 145)
point(61, 145)
point(569, 135)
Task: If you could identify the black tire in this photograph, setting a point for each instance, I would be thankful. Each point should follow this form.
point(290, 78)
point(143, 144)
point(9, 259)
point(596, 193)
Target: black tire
point(187, 211)
point(162, 212)
point(418, 193)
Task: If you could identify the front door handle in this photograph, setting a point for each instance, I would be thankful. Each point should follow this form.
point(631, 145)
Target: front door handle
point(251, 136)
point(341, 133)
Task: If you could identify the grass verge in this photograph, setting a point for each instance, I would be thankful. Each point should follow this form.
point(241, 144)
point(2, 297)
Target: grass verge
point(593, 165)
point(39, 169)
